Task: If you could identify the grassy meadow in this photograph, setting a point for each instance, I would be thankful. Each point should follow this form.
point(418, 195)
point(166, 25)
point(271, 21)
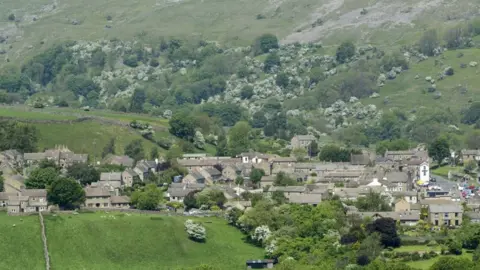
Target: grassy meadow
point(120, 241)
point(20, 243)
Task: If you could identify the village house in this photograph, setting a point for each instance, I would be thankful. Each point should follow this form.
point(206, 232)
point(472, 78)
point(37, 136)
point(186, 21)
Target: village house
point(267, 180)
point(401, 205)
point(409, 218)
point(302, 141)
point(352, 194)
point(28, 201)
point(231, 172)
point(449, 214)
point(211, 175)
point(177, 191)
point(396, 181)
point(194, 177)
point(128, 177)
point(473, 216)
point(103, 197)
point(124, 161)
point(113, 179)
point(254, 158)
point(283, 164)
point(305, 198)
point(61, 155)
point(470, 154)
point(401, 156)
point(191, 164)
point(420, 169)
point(341, 176)
point(144, 168)
point(408, 196)
point(288, 190)
point(4, 198)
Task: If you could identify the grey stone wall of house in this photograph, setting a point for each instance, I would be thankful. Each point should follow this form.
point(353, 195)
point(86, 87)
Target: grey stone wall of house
point(44, 240)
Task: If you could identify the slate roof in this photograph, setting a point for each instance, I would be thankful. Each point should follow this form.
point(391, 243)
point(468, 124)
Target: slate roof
point(119, 199)
point(34, 156)
point(191, 186)
point(445, 208)
point(213, 171)
point(111, 176)
point(34, 192)
point(179, 192)
point(396, 177)
point(5, 195)
point(305, 198)
point(121, 160)
point(97, 192)
point(402, 216)
point(298, 189)
point(131, 172)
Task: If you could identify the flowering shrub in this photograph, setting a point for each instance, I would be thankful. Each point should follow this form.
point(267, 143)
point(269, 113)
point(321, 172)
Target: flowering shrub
point(195, 231)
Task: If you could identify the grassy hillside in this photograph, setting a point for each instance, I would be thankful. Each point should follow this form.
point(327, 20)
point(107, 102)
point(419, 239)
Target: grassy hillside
point(113, 241)
point(41, 23)
point(20, 243)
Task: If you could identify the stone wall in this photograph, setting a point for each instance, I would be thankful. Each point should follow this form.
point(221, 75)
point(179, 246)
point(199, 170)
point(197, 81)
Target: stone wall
point(44, 240)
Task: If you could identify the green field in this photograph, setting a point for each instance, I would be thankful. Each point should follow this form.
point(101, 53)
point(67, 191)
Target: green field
point(119, 241)
point(23, 113)
point(426, 264)
point(416, 248)
point(20, 245)
point(443, 171)
point(88, 137)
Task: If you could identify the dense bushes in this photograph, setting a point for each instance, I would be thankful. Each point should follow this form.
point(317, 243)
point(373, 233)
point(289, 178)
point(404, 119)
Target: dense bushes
point(264, 43)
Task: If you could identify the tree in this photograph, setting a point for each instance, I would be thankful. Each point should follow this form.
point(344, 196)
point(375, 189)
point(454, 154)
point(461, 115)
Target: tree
point(439, 150)
point(19, 136)
point(238, 138)
point(195, 231)
point(182, 125)
point(454, 246)
point(279, 197)
point(282, 79)
point(299, 153)
point(387, 229)
point(472, 114)
point(473, 140)
point(313, 149)
point(148, 198)
point(259, 120)
point(190, 201)
point(84, 173)
point(428, 42)
point(476, 254)
point(154, 153)
point(334, 153)
point(369, 249)
point(256, 175)
point(246, 92)
point(66, 193)
point(199, 140)
point(345, 51)
point(2, 181)
point(47, 163)
point(272, 60)
point(222, 146)
point(264, 43)
point(109, 148)
point(452, 263)
point(41, 178)
point(470, 166)
point(135, 150)
point(282, 179)
point(374, 201)
point(392, 145)
point(138, 99)
point(239, 180)
point(11, 17)
point(210, 197)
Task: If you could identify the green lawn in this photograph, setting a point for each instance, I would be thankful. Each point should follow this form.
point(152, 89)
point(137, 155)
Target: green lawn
point(117, 241)
point(443, 171)
point(25, 113)
point(20, 246)
point(88, 137)
point(417, 248)
point(426, 264)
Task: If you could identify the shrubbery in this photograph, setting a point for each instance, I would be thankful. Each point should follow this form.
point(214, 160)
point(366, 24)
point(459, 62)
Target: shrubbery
point(195, 231)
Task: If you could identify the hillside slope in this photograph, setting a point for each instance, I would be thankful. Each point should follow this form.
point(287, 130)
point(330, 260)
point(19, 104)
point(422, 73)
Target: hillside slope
point(40, 23)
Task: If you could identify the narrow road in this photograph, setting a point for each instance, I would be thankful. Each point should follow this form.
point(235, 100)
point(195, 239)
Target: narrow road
point(444, 183)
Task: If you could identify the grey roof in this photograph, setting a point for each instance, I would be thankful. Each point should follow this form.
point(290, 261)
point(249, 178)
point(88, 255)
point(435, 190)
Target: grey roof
point(213, 171)
point(189, 186)
point(287, 189)
point(197, 175)
point(402, 216)
point(396, 177)
point(120, 199)
point(34, 156)
point(470, 152)
point(97, 192)
point(343, 174)
point(305, 198)
point(131, 172)
point(111, 176)
point(121, 160)
point(473, 215)
point(146, 165)
point(17, 198)
point(360, 159)
point(268, 178)
point(284, 159)
point(445, 208)
point(179, 192)
point(435, 201)
point(5, 195)
point(34, 192)
point(404, 193)
point(18, 177)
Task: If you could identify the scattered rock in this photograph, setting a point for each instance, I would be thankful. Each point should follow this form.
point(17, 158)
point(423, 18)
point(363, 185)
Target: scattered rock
point(432, 88)
point(437, 95)
point(375, 95)
point(75, 22)
point(391, 75)
point(417, 77)
point(448, 71)
point(183, 71)
point(473, 64)
point(353, 99)
point(428, 78)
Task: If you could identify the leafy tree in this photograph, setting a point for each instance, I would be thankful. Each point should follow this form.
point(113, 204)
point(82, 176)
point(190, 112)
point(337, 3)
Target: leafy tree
point(154, 153)
point(282, 79)
point(2, 181)
point(454, 37)
point(472, 114)
point(148, 198)
point(135, 150)
point(199, 140)
point(428, 42)
point(345, 51)
point(439, 150)
point(238, 138)
point(452, 263)
point(239, 180)
point(247, 92)
point(84, 173)
point(182, 125)
point(259, 120)
point(210, 197)
point(98, 58)
point(138, 99)
point(11, 17)
point(222, 146)
point(472, 140)
point(109, 148)
point(313, 149)
point(373, 202)
point(190, 201)
point(174, 153)
point(454, 246)
point(393, 145)
point(46, 163)
point(476, 254)
point(195, 231)
point(279, 197)
point(369, 249)
point(299, 153)
point(387, 229)
point(22, 137)
point(334, 153)
point(256, 175)
point(282, 179)
point(66, 193)
point(317, 74)
point(41, 178)
point(264, 43)
point(271, 61)
point(470, 166)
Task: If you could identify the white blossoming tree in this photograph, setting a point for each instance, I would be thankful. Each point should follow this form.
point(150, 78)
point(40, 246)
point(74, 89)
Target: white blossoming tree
point(195, 231)
point(261, 234)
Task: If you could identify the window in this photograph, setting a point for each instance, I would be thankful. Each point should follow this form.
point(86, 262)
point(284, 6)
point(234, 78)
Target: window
point(445, 215)
point(456, 214)
point(456, 222)
point(105, 204)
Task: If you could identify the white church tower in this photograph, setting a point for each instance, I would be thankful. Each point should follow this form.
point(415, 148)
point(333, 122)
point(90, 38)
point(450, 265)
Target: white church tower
point(424, 172)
